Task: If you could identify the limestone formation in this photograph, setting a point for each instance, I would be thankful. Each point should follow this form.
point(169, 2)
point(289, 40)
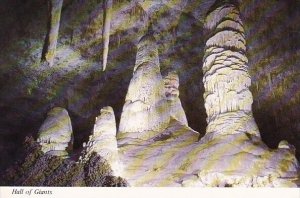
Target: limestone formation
point(145, 107)
point(55, 135)
point(54, 13)
point(103, 140)
point(226, 79)
point(106, 30)
point(242, 158)
point(231, 153)
point(171, 81)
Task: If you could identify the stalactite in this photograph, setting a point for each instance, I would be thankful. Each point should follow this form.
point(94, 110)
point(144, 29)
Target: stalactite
point(54, 14)
point(106, 30)
point(119, 40)
point(269, 81)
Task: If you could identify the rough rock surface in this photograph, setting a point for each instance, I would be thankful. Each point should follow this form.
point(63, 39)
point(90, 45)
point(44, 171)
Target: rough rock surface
point(103, 140)
point(145, 107)
point(55, 135)
point(175, 158)
point(171, 81)
point(34, 168)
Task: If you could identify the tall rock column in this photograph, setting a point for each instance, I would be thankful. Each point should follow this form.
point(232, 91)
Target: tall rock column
point(228, 99)
point(54, 13)
point(145, 107)
point(56, 135)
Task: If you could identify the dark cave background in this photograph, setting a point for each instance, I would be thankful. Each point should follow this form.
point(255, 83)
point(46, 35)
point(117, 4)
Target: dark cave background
point(76, 82)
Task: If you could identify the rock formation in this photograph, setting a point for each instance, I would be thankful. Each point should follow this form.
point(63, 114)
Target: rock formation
point(106, 30)
point(54, 13)
point(226, 79)
point(145, 106)
point(155, 146)
point(242, 158)
point(171, 81)
point(103, 140)
point(231, 154)
point(55, 135)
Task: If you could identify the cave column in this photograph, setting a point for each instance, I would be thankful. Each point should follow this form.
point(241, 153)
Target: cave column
point(54, 15)
point(228, 100)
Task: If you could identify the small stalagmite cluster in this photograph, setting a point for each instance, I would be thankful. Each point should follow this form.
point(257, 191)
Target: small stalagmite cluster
point(56, 138)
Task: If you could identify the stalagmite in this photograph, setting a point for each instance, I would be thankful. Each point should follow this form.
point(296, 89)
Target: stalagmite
point(54, 13)
point(145, 107)
point(226, 79)
point(103, 140)
point(172, 95)
point(55, 135)
point(106, 30)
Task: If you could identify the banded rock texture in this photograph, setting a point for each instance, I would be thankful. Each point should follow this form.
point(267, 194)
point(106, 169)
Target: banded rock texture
point(226, 79)
point(56, 135)
point(172, 95)
point(103, 140)
point(145, 107)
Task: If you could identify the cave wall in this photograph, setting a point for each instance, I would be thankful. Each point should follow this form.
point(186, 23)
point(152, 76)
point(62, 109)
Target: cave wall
point(77, 83)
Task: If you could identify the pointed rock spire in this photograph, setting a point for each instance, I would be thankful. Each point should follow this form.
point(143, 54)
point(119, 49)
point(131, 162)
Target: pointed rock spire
point(145, 105)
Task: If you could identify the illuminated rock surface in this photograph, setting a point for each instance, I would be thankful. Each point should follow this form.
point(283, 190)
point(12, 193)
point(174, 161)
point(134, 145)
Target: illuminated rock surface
point(55, 135)
point(103, 140)
point(145, 107)
point(161, 159)
point(226, 79)
point(176, 158)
